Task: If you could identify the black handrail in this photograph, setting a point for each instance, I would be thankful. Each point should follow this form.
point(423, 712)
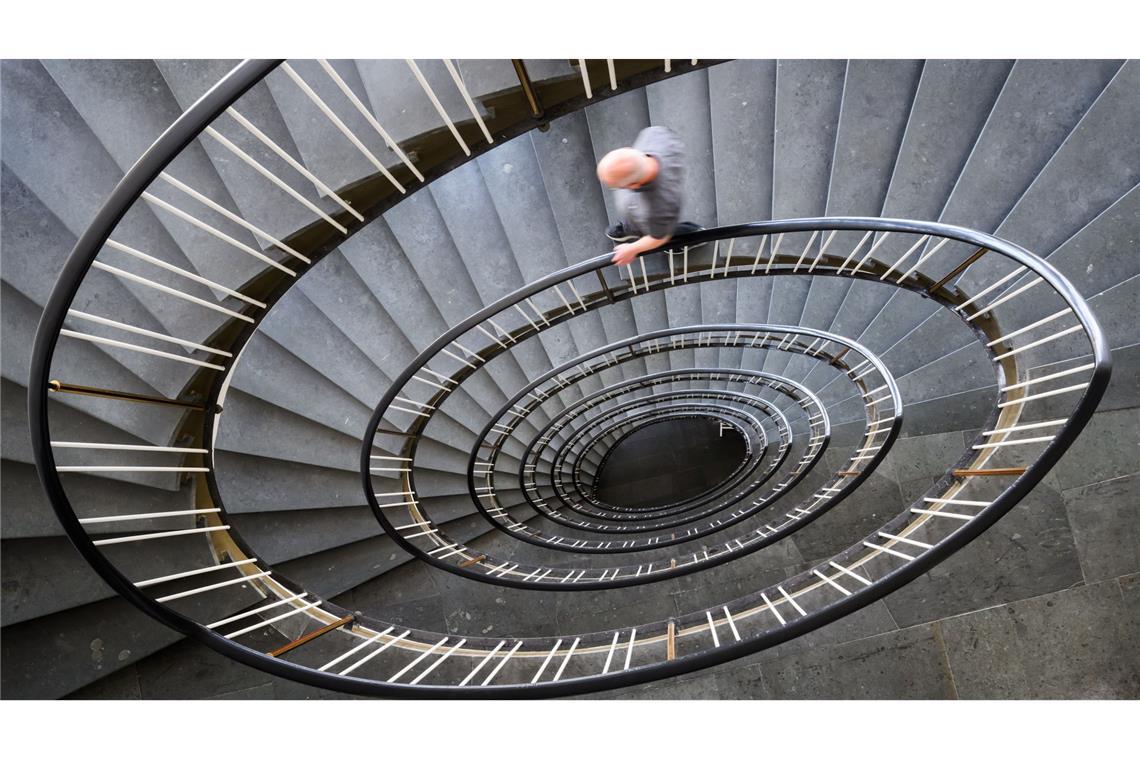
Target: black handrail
point(227, 91)
point(519, 296)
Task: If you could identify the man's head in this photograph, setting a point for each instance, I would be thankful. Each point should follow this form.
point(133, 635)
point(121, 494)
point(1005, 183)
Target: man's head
point(625, 167)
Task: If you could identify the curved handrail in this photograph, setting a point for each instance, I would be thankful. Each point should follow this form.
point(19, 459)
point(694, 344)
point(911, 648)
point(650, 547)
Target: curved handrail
point(203, 112)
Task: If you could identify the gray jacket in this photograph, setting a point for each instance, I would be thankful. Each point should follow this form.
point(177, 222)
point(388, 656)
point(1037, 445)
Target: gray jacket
point(655, 208)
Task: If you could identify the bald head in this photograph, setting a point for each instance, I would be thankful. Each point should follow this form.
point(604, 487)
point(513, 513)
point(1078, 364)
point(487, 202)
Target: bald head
point(625, 167)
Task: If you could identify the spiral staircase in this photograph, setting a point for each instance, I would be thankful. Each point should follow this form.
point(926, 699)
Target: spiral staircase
point(347, 331)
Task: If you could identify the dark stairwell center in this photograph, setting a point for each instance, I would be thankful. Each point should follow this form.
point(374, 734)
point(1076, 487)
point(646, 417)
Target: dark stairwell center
point(668, 462)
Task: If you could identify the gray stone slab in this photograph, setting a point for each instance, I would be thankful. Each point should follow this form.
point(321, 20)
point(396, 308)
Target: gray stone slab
point(1040, 103)
point(483, 76)
point(1100, 262)
point(515, 183)
point(961, 370)
point(33, 569)
point(742, 107)
point(425, 238)
point(401, 105)
point(1105, 527)
point(252, 426)
point(958, 411)
point(53, 656)
point(1114, 309)
point(402, 309)
point(480, 609)
point(36, 244)
point(250, 483)
point(261, 202)
point(1103, 253)
point(70, 424)
point(270, 372)
point(27, 514)
point(808, 98)
point(1079, 643)
point(323, 148)
point(953, 101)
point(920, 337)
point(40, 120)
point(1124, 387)
point(877, 100)
point(463, 196)
point(941, 131)
point(1029, 552)
point(188, 670)
point(917, 462)
point(878, 96)
point(742, 117)
point(876, 501)
point(128, 104)
point(575, 619)
point(80, 360)
point(906, 664)
point(1109, 447)
point(277, 536)
point(123, 684)
point(1097, 164)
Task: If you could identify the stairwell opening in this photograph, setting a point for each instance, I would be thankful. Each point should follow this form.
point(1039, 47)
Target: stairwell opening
point(668, 462)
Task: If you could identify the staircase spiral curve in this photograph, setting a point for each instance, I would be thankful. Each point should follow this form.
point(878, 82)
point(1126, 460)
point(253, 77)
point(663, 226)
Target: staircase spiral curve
point(472, 430)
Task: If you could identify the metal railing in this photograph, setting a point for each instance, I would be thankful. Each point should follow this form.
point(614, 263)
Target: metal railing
point(226, 594)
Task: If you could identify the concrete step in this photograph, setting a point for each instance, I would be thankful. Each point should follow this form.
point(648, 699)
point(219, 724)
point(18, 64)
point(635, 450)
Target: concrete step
point(33, 568)
point(72, 424)
point(271, 373)
point(1096, 165)
point(251, 425)
point(83, 363)
point(742, 119)
point(324, 149)
point(36, 247)
point(401, 105)
point(404, 310)
point(487, 76)
point(82, 174)
point(940, 134)
point(126, 124)
point(1040, 104)
point(28, 514)
point(514, 184)
point(809, 95)
point(877, 100)
point(1000, 142)
point(462, 197)
point(427, 241)
point(260, 201)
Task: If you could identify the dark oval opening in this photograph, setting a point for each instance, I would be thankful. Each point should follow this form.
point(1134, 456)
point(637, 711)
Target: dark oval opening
point(669, 461)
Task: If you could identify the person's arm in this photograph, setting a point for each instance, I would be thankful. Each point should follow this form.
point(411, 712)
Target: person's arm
point(627, 252)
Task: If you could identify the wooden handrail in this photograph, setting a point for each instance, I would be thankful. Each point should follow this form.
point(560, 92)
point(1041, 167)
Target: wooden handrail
point(994, 471)
point(312, 635)
point(957, 270)
point(86, 390)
